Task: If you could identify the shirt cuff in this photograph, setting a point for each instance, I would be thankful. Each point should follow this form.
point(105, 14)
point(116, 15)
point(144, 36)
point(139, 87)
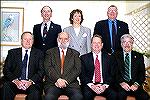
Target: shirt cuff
point(31, 81)
point(136, 83)
point(90, 84)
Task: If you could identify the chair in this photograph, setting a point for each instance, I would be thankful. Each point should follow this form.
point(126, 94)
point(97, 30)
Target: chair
point(99, 98)
point(22, 97)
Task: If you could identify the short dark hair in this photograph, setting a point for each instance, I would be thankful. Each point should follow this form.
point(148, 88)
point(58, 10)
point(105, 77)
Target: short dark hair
point(73, 12)
point(25, 33)
point(96, 35)
point(44, 7)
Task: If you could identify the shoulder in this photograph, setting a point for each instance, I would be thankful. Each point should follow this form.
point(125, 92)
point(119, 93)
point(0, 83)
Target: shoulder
point(73, 51)
point(55, 24)
point(85, 56)
point(37, 25)
point(86, 28)
point(136, 53)
point(102, 21)
point(121, 22)
point(68, 28)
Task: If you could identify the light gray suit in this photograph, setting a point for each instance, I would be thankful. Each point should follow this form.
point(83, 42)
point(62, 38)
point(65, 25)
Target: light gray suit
point(82, 42)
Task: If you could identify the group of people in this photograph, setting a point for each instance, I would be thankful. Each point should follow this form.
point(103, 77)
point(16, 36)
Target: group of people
point(105, 64)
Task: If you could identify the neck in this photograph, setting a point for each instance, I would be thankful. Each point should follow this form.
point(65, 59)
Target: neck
point(76, 25)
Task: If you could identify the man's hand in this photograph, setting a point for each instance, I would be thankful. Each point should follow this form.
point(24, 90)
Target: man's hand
point(96, 89)
point(125, 86)
point(61, 83)
point(134, 87)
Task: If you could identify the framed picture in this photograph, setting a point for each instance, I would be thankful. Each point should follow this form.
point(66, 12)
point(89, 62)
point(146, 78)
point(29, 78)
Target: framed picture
point(12, 23)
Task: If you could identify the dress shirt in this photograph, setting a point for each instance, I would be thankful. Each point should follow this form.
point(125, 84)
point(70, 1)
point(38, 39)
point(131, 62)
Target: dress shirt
point(65, 50)
point(23, 54)
point(110, 28)
point(42, 27)
point(124, 54)
point(100, 60)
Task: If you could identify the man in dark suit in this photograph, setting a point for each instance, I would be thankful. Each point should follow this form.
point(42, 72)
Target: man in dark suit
point(23, 71)
point(62, 67)
point(45, 34)
point(96, 80)
point(130, 70)
point(111, 30)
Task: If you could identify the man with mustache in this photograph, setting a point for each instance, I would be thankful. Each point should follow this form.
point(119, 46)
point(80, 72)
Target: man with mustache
point(62, 67)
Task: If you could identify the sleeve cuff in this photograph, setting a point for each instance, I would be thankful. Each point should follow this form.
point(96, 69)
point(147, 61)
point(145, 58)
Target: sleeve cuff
point(136, 83)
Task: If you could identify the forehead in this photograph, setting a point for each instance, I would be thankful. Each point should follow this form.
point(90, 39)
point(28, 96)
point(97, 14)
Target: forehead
point(45, 8)
point(112, 8)
point(63, 35)
point(96, 39)
point(26, 35)
point(127, 39)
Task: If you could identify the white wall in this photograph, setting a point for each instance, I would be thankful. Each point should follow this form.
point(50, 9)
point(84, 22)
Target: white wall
point(93, 11)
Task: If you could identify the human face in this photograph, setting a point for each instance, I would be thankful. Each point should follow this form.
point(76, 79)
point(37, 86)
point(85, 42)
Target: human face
point(112, 13)
point(77, 18)
point(127, 44)
point(46, 13)
point(97, 45)
point(63, 40)
point(27, 40)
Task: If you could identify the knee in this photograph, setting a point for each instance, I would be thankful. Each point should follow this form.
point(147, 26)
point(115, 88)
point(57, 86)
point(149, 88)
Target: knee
point(76, 96)
point(50, 97)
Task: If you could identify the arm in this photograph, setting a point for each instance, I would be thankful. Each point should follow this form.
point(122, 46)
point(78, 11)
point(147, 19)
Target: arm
point(88, 41)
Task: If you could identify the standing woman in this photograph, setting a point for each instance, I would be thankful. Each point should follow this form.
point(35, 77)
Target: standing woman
point(80, 35)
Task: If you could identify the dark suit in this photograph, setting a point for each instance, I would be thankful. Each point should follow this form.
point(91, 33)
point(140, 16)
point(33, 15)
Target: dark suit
point(51, 38)
point(137, 74)
point(72, 69)
point(102, 28)
point(87, 72)
point(12, 70)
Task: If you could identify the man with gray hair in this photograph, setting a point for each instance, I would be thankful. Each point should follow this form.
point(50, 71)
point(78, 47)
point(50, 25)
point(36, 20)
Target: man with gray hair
point(130, 70)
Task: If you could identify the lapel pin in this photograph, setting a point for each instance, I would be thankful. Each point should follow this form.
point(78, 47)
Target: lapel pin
point(134, 56)
point(51, 26)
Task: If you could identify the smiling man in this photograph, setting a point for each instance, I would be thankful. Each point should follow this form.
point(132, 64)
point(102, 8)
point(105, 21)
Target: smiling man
point(111, 30)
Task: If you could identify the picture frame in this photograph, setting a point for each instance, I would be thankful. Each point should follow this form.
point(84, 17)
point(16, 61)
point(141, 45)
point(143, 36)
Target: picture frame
point(12, 23)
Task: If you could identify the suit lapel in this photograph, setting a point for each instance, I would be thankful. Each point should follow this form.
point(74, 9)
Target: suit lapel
point(19, 59)
point(67, 60)
point(57, 59)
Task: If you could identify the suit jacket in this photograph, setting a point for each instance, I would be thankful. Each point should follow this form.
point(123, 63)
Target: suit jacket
point(13, 69)
point(82, 42)
point(137, 67)
point(72, 67)
point(87, 69)
point(51, 38)
point(102, 28)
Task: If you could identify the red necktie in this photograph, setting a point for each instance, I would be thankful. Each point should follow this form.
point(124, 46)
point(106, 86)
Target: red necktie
point(97, 70)
point(62, 61)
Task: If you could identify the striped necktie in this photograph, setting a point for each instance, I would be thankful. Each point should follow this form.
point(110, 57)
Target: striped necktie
point(126, 72)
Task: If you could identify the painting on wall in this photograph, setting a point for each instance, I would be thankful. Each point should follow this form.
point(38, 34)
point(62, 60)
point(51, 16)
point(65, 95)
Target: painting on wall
point(12, 22)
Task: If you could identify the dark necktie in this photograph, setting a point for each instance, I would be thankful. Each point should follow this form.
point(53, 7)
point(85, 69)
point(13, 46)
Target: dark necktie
point(62, 61)
point(24, 66)
point(127, 63)
point(113, 35)
point(45, 30)
point(97, 70)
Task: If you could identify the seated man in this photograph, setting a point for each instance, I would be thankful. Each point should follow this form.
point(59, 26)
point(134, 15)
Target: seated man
point(130, 70)
point(95, 75)
point(62, 67)
point(23, 71)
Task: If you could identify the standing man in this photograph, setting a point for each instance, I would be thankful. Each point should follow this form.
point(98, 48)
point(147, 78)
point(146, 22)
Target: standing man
point(62, 67)
point(130, 70)
point(111, 30)
point(23, 71)
point(45, 34)
point(96, 73)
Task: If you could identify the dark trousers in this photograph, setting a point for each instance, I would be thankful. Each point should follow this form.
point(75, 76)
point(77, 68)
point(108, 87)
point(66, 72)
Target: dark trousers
point(53, 92)
point(139, 94)
point(89, 94)
point(9, 90)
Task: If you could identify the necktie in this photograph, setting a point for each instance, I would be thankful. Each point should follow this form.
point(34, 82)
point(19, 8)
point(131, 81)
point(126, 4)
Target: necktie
point(62, 61)
point(45, 30)
point(97, 70)
point(24, 66)
point(113, 35)
point(126, 73)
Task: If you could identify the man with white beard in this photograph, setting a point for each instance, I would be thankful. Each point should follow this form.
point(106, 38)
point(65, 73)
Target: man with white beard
point(62, 67)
